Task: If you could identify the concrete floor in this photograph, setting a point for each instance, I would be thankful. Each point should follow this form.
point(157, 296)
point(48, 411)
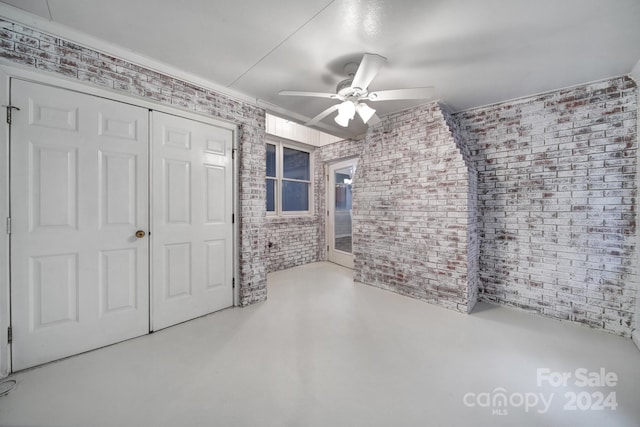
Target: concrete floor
point(325, 352)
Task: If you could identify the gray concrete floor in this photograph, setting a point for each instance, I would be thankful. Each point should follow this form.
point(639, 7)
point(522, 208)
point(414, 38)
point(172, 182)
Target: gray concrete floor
point(325, 352)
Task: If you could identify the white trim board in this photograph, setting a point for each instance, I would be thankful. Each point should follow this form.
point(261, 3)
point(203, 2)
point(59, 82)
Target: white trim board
point(4, 236)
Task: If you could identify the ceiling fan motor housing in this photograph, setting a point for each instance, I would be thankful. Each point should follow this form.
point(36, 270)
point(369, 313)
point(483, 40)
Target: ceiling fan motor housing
point(344, 87)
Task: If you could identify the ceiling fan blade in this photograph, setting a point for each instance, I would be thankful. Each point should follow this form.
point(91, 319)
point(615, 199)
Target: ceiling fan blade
point(367, 70)
point(314, 94)
point(414, 93)
point(322, 115)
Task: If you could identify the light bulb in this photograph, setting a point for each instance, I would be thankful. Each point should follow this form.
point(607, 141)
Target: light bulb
point(347, 109)
point(342, 120)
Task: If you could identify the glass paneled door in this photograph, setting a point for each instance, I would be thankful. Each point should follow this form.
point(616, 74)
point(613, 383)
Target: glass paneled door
point(339, 210)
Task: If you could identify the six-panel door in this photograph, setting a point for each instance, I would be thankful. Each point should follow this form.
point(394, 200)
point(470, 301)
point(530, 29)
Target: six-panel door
point(192, 228)
point(79, 192)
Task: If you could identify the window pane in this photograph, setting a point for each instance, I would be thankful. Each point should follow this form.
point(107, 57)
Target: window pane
point(343, 179)
point(271, 160)
point(295, 164)
point(295, 196)
point(271, 195)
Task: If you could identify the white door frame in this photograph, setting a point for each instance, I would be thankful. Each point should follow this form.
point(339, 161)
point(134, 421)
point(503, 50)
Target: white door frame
point(9, 70)
point(333, 255)
point(5, 296)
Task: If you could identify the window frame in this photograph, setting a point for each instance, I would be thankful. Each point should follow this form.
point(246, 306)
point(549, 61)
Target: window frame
point(281, 144)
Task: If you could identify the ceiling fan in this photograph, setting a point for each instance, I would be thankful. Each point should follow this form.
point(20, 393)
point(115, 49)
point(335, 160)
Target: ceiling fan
point(354, 90)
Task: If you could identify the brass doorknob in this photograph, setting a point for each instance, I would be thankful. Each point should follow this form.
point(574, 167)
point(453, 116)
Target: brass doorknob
point(140, 234)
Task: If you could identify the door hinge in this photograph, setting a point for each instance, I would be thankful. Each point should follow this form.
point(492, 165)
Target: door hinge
point(233, 283)
point(233, 153)
point(8, 225)
point(327, 248)
point(327, 213)
point(9, 334)
point(9, 108)
point(233, 218)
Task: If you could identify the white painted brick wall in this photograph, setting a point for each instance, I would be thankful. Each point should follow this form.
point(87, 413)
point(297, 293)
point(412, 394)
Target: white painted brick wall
point(291, 242)
point(411, 214)
point(557, 202)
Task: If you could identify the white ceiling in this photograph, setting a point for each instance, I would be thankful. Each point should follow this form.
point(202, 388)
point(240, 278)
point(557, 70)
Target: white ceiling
point(474, 52)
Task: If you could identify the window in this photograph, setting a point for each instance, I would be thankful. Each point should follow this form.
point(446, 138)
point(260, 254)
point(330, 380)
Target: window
point(288, 179)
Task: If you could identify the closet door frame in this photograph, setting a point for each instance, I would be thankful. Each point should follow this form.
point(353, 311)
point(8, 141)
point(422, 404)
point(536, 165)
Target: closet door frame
point(9, 71)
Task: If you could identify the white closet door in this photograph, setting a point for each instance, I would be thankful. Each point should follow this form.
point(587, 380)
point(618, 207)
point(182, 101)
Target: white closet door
point(192, 227)
point(79, 192)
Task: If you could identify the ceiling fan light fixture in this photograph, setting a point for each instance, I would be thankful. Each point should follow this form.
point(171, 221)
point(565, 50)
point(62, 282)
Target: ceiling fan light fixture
point(346, 112)
point(347, 109)
point(342, 120)
point(365, 112)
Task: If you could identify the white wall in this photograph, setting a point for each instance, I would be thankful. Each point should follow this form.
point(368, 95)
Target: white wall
point(287, 129)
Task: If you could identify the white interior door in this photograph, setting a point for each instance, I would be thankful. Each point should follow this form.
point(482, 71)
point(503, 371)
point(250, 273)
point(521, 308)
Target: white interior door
point(339, 202)
point(79, 192)
point(192, 225)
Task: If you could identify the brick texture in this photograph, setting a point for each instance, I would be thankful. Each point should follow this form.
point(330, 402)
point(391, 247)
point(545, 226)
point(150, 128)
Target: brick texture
point(557, 202)
point(32, 48)
point(411, 215)
point(291, 242)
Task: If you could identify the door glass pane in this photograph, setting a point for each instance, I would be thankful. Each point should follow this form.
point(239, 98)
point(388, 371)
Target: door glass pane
point(342, 211)
point(295, 196)
point(295, 164)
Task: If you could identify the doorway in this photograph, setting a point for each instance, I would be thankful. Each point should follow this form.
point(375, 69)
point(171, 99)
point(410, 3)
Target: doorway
point(340, 211)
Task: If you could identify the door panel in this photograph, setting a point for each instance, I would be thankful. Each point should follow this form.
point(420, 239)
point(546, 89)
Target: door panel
point(192, 227)
point(339, 200)
point(79, 191)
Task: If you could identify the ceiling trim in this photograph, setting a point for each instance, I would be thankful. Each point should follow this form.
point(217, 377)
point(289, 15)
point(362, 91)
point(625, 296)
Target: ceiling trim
point(58, 30)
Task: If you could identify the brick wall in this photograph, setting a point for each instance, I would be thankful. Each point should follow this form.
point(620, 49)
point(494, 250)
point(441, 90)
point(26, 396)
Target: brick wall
point(557, 202)
point(291, 241)
point(410, 214)
point(35, 49)
point(473, 242)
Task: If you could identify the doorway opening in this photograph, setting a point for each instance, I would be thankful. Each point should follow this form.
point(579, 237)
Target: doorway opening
point(340, 212)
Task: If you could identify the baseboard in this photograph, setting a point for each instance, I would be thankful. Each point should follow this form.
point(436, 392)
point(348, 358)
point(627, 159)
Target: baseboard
point(635, 337)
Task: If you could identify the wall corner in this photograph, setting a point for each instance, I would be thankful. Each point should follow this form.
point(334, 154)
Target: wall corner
point(635, 73)
point(635, 337)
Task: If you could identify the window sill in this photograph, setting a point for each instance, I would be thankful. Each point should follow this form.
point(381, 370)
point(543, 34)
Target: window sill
point(291, 218)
